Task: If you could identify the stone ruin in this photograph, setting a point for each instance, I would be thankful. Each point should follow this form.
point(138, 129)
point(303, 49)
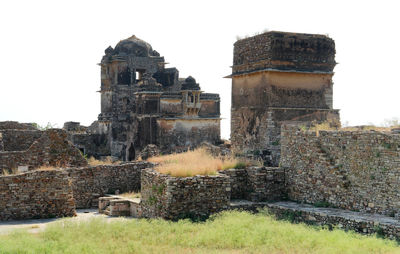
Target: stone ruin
point(279, 80)
point(142, 103)
point(23, 147)
point(278, 77)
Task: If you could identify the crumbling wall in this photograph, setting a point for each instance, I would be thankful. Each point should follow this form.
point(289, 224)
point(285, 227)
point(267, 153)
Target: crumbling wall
point(51, 149)
point(90, 183)
point(257, 132)
point(36, 194)
point(182, 134)
point(179, 197)
point(91, 144)
point(11, 125)
point(19, 140)
point(351, 170)
point(285, 51)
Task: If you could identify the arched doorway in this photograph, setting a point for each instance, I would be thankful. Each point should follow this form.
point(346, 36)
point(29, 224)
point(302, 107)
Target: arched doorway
point(131, 153)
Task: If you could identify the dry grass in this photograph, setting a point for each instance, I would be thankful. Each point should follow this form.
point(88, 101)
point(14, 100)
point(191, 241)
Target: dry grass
point(332, 126)
point(5, 172)
point(46, 168)
point(130, 195)
point(196, 162)
point(94, 162)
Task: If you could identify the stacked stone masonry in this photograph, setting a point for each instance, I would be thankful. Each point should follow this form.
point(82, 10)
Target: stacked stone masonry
point(36, 194)
point(257, 184)
point(178, 197)
point(51, 149)
point(353, 170)
point(363, 223)
point(90, 183)
point(19, 140)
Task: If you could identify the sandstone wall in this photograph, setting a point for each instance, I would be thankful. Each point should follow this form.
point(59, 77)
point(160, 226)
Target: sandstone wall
point(37, 194)
point(178, 197)
point(90, 183)
point(350, 170)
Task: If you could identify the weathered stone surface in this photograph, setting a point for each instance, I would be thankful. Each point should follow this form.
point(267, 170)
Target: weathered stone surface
point(364, 223)
point(36, 194)
point(51, 149)
point(278, 77)
point(19, 140)
point(90, 183)
point(143, 103)
point(354, 170)
point(11, 125)
point(257, 184)
point(284, 51)
point(149, 151)
point(178, 197)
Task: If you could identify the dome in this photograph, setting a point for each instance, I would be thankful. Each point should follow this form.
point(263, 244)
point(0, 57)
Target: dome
point(134, 46)
point(190, 84)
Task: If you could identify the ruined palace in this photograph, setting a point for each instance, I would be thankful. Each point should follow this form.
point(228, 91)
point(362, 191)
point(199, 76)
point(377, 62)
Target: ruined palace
point(277, 77)
point(143, 102)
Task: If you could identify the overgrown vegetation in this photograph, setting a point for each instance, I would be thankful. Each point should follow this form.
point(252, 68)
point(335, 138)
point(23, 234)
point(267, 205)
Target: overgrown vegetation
point(43, 128)
point(130, 195)
point(107, 161)
point(196, 162)
point(333, 125)
point(228, 232)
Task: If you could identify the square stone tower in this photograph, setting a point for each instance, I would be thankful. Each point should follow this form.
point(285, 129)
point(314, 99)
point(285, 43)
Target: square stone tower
point(277, 77)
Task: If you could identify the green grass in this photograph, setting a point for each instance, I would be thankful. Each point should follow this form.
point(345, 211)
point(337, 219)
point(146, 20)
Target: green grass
point(229, 232)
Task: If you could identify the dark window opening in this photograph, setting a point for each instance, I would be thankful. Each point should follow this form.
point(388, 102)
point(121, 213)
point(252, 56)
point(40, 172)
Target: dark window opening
point(82, 150)
point(124, 77)
point(131, 153)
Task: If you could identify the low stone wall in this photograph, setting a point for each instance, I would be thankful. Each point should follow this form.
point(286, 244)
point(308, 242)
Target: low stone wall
point(19, 140)
point(266, 184)
point(179, 197)
point(51, 149)
point(353, 170)
point(90, 183)
point(257, 184)
point(359, 222)
point(239, 182)
point(36, 194)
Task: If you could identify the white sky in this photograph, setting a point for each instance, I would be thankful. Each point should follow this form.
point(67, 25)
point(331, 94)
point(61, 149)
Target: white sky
point(50, 50)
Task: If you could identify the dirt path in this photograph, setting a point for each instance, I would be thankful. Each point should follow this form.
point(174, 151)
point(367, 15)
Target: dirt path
point(37, 225)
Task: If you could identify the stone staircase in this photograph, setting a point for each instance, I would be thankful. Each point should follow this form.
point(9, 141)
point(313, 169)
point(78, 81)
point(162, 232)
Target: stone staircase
point(112, 205)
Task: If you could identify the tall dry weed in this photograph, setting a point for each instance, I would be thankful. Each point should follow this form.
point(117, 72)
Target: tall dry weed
point(196, 162)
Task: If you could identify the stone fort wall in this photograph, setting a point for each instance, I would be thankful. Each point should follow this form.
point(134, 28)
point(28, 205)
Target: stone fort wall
point(353, 170)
